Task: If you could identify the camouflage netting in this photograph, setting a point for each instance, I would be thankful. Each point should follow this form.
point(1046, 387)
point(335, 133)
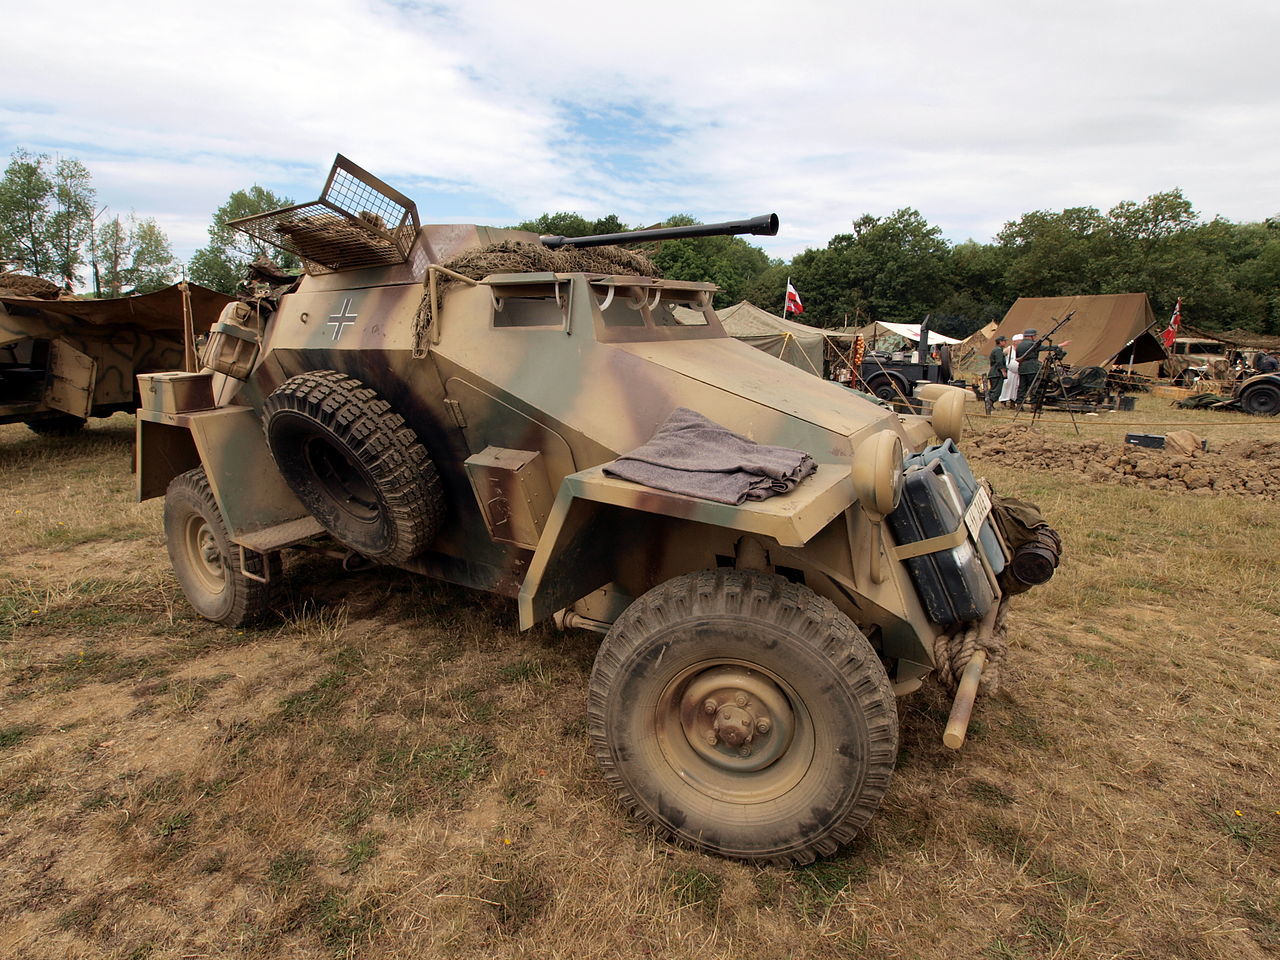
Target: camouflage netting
point(1248, 467)
point(329, 241)
point(22, 285)
point(534, 258)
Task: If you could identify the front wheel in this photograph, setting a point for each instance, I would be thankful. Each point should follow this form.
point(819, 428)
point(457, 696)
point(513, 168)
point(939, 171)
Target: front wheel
point(744, 715)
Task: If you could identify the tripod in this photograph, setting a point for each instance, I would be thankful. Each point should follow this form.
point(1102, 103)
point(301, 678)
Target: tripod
point(1049, 373)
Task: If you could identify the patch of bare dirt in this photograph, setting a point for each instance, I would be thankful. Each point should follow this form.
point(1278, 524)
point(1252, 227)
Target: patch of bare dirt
point(1247, 468)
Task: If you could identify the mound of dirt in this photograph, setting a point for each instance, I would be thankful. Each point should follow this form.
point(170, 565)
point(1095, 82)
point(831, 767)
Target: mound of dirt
point(22, 285)
point(1249, 468)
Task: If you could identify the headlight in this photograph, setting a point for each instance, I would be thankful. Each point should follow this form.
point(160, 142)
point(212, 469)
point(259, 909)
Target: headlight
point(877, 473)
point(947, 416)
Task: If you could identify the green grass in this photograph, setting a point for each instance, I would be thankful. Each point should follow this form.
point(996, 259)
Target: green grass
point(690, 887)
point(360, 851)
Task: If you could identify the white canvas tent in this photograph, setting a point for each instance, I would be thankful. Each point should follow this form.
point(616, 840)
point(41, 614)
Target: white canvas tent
point(883, 335)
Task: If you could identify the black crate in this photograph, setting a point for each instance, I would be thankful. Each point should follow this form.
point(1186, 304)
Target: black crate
point(1153, 440)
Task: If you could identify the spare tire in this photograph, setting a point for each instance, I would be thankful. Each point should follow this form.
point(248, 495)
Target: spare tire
point(355, 464)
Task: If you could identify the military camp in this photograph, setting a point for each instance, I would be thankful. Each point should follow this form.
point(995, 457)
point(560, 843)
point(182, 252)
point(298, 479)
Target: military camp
point(499, 481)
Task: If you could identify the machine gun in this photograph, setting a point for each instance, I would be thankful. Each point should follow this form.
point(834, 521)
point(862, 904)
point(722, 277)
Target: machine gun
point(1047, 378)
point(762, 226)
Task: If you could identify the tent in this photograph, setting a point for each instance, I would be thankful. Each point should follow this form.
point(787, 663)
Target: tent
point(799, 345)
point(890, 337)
point(1108, 329)
point(970, 355)
point(159, 312)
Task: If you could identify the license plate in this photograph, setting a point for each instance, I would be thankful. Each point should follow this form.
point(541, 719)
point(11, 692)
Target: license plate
point(977, 512)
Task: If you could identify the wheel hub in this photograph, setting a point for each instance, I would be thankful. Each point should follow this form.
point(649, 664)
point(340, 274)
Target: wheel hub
point(206, 557)
point(736, 718)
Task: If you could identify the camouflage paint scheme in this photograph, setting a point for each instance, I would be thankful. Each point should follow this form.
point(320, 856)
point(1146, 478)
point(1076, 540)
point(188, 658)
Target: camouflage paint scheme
point(81, 357)
point(566, 369)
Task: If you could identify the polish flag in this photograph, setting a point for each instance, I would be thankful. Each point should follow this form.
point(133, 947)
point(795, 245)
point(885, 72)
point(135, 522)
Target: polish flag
point(1170, 331)
point(793, 300)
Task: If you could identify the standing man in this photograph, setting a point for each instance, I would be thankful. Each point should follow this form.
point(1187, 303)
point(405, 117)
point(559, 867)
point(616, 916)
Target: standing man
point(1028, 354)
point(996, 374)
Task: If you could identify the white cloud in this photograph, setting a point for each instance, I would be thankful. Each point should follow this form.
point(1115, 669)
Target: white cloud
point(972, 113)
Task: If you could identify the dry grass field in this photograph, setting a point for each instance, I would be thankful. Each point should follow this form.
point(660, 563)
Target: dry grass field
point(391, 769)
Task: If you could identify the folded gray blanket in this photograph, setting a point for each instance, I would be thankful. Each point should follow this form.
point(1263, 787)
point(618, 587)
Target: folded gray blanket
point(695, 456)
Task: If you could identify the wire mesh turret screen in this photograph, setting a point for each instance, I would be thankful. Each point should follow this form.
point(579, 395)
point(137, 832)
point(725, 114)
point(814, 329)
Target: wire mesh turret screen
point(358, 222)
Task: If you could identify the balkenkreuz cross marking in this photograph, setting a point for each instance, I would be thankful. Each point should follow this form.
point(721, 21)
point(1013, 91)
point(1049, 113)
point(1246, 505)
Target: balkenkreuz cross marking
point(342, 318)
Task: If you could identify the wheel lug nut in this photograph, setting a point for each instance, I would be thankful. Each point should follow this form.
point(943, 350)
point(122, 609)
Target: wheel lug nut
point(762, 725)
point(740, 699)
point(744, 750)
point(712, 739)
point(710, 706)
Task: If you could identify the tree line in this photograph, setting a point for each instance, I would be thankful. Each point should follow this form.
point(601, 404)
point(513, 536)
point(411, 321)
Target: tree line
point(51, 227)
point(892, 268)
point(900, 268)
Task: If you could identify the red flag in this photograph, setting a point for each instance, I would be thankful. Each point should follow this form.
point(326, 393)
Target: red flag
point(793, 300)
point(1172, 330)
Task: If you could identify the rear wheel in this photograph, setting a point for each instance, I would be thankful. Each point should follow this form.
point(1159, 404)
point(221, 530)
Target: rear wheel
point(744, 715)
point(60, 425)
point(205, 560)
point(1261, 399)
point(886, 388)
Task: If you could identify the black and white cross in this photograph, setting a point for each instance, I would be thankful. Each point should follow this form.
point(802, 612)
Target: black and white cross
point(340, 319)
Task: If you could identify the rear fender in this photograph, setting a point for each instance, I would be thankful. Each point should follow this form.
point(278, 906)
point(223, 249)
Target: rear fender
point(228, 442)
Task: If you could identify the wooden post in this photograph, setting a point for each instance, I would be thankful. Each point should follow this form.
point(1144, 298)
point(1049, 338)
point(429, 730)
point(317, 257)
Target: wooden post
point(962, 706)
point(188, 330)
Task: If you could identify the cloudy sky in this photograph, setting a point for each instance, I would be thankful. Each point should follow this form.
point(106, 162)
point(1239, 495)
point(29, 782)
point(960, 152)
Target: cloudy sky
point(494, 111)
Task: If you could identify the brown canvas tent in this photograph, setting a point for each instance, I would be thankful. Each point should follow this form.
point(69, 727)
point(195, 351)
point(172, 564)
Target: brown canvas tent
point(159, 312)
point(1107, 329)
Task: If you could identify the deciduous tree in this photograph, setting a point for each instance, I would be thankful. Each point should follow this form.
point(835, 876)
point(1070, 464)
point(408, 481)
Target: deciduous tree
point(70, 223)
point(221, 265)
point(25, 193)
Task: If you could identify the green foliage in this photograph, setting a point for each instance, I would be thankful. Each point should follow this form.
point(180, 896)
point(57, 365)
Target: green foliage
point(900, 268)
point(221, 265)
point(26, 194)
point(729, 262)
point(894, 268)
point(71, 219)
point(47, 229)
point(566, 224)
point(133, 258)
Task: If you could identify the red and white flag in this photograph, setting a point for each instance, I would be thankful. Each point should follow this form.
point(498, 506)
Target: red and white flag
point(793, 300)
point(1172, 330)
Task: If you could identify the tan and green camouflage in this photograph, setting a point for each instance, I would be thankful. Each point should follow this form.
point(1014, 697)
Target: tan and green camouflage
point(63, 361)
point(564, 372)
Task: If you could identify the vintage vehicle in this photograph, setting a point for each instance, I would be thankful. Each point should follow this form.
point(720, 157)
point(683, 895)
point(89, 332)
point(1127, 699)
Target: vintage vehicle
point(63, 361)
point(425, 409)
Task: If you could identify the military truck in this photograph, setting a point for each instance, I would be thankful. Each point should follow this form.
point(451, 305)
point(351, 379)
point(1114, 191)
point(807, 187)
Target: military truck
point(418, 408)
point(65, 360)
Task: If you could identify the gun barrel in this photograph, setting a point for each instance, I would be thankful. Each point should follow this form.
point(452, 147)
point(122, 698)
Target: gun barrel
point(762, 226)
